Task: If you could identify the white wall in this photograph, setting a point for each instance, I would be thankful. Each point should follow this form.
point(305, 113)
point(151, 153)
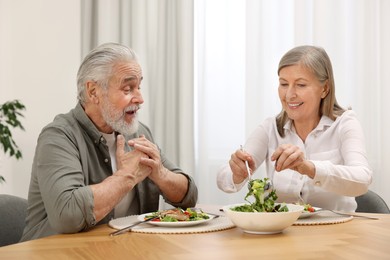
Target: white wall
point(39, 58)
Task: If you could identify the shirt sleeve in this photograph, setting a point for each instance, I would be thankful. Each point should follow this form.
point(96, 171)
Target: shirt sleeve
point(225, 181)
point(191, 196)
point(68, 201)
point(353, 177)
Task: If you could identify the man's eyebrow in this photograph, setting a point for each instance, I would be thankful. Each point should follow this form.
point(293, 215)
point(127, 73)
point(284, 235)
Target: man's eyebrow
point(126, 80)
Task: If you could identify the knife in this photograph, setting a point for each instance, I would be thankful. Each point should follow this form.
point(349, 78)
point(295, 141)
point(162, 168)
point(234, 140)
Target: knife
point(125, 229)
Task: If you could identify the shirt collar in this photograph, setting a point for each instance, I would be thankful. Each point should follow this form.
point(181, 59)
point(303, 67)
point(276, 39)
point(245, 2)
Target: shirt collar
point(87, 124)
point(325, 123)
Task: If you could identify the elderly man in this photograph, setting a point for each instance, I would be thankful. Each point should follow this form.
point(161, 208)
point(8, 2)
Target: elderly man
point(98, 162)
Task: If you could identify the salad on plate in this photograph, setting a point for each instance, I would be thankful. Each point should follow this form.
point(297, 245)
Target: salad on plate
point(176, 217)
point(309, 210)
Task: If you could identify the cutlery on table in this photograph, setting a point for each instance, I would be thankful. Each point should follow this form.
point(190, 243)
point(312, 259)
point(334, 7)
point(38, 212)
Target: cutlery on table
point(125, 229)
point(348, 214)
point(214, 215)
point(302, 202)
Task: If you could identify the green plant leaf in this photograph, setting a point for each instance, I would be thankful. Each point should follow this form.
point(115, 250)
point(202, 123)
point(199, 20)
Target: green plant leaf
point(10, 112)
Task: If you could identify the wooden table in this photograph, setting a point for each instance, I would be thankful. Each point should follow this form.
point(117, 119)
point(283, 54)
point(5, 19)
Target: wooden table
point(357, 239)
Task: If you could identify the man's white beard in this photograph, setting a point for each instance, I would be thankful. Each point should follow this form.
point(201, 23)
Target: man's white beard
point(116, 118)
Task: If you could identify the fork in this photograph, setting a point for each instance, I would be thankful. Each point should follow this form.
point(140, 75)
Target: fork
point(208, 213)
point(348, 214)
point(302, 202)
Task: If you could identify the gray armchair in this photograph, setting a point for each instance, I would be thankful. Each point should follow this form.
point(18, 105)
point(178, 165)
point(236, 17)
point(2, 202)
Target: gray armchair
point(371, 202)
point(12, 218)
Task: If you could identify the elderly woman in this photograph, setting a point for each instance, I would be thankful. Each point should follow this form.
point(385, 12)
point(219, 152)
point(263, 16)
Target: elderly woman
point(314, 149)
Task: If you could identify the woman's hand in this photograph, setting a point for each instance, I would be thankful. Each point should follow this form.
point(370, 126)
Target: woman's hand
point(288, 156)
point(238, 167)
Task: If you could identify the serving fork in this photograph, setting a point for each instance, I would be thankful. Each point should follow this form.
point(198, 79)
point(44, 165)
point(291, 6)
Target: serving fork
point(247, 165)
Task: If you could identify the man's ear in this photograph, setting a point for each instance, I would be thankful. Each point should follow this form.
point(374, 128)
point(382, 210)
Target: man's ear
point(91, 91)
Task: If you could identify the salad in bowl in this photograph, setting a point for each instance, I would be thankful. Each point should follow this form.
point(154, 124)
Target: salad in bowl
point(261, 214)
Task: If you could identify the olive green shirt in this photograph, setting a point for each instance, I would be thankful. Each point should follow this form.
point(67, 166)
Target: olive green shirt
point(70, 155)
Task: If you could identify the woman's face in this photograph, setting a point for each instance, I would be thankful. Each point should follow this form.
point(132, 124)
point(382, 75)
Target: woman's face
point(300, 93)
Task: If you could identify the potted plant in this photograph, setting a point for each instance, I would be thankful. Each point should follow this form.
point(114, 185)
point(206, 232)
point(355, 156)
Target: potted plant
point(10, 112)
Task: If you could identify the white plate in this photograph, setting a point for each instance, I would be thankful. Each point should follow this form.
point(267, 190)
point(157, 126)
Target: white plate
point(174, 224)
point(306, 214)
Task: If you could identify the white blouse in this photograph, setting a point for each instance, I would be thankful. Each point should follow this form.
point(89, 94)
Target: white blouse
point(337, 150)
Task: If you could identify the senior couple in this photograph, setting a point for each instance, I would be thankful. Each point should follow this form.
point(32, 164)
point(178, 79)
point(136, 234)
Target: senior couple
point(98, 162)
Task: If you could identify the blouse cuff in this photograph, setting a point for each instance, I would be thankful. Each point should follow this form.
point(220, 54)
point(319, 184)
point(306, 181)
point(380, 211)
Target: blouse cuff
point(321, 173)
point(233, 187)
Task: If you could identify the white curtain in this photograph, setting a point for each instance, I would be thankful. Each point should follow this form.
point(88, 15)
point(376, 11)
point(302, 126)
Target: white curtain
point(238, 47)
point(161, 32)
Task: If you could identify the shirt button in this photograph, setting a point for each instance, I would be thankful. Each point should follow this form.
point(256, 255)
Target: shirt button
point(317, 183)
point(106, 160)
